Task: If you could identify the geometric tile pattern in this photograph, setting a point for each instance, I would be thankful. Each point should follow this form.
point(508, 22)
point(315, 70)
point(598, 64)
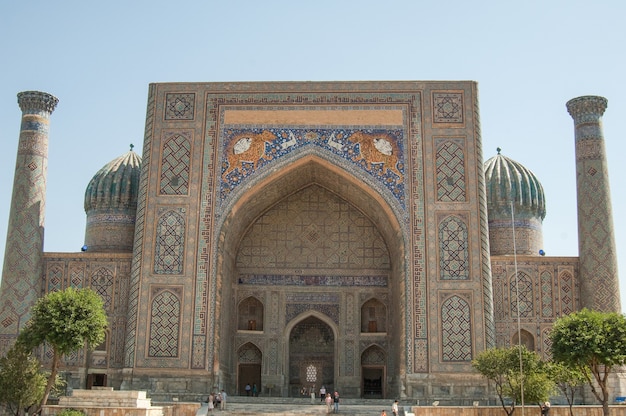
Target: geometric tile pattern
point(450, 162)
point(453, 247)
point(456, 330)
point(170, 243)
point(175, 165)
point(102, 284)
point(374, 355)
point(54, 274)
point(598, 260)
point(566, 293)
point(165, 314)
point(547, 307)
point(313, 229)
point(293, 310)
point(526, 307)
point(308, 280)
point(179, 106)
point(447, 107)
point(23, 267)
point(250, 354)
point(377, 152)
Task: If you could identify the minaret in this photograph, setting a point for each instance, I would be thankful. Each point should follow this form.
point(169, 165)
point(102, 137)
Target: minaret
point(596, 240)
point(23, 264)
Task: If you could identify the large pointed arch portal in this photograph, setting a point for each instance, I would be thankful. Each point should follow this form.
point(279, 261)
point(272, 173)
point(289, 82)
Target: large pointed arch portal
point(309, 239)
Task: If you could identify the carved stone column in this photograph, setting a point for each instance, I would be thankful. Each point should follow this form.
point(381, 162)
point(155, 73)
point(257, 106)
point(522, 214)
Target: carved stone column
point(596, 240)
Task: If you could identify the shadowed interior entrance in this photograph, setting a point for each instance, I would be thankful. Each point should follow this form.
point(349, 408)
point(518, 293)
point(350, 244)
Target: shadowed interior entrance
point(311, 357)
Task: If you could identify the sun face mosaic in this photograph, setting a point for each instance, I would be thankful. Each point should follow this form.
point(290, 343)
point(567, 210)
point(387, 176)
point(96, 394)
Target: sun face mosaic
point(377, 152)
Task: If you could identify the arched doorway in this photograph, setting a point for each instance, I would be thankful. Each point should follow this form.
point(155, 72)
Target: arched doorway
point(249, 367)
point(309, 240)
point(373, 372)
point(311, 357)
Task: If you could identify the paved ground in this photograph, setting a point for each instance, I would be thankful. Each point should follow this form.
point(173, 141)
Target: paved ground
point(300, 408)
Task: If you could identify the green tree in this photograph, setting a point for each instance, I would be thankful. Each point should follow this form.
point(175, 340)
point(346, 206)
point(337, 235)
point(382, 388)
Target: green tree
point(567, 380)
point(593, 342)
point(66, 321)
point(502, 367)
point(22, 383)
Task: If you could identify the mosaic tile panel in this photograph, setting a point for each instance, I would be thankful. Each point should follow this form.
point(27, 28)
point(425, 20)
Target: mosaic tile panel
point(179, 106)
point(448, 107)
point(315, 229)
point(77, 275)
point(374, 355)
point(453, 249)
point(547, 306)
point(102, 284)
point(170, 243)
point(293, 310)
point(567, 293)
point(138, 251)
point(272, 100)
point(525, 300)
point(450, 174)
point(546, 344)
point(165, 314)
point(249, 354)
point(197, 351)
point(456, 330)
point(22, 268)
point(175, 164)
point(304, 280)
point(273, 357)
point(349, 358)
point(54, 274)
point(378, 152)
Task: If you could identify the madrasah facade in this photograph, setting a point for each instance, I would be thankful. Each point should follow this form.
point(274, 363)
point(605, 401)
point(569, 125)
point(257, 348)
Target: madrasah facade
point(299, 234)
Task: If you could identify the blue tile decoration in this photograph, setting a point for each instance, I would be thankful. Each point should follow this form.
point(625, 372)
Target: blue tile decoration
point(378, 152)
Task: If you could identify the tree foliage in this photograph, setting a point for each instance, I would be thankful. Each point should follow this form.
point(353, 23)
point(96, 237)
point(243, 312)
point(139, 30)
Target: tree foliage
point(594, 342)
point(512, 380)
point(65, 321)
point(22, 383)
point(567, 380)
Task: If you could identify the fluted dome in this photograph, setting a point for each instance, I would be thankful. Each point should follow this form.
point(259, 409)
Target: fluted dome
point(111, 205)
point(115, 185)
point(508, 181)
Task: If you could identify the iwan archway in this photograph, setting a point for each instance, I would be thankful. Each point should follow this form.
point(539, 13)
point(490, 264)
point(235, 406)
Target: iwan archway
point(312, 244)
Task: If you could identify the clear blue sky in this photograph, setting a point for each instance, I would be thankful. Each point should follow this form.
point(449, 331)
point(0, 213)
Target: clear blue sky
point(528, 57)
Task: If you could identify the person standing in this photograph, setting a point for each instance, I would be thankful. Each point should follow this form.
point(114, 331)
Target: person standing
point(329, 402)
point(322, 393)
point(210, 403)
point(394, 408)
point(224, 395)
point(255, 391)
point(336, 401)
point(248, 388)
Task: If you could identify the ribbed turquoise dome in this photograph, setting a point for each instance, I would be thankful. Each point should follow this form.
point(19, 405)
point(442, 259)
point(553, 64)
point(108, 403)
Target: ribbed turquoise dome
point(111, 205)
point(507, 180)
point(115, 186)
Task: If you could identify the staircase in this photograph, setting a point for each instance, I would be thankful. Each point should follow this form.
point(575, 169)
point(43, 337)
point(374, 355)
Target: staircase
point(267, 406)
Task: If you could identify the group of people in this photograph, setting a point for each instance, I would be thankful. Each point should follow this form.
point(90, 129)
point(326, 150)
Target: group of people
point(251, 390)
point(217, 400)
point(331, 400)
point(394, 409)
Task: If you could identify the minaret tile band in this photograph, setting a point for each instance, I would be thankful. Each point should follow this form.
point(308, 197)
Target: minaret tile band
point(596, 240)
point(22, 271)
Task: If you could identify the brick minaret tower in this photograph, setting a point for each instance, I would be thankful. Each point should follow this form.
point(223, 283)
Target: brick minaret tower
point(596, 240)
point(23, 267)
